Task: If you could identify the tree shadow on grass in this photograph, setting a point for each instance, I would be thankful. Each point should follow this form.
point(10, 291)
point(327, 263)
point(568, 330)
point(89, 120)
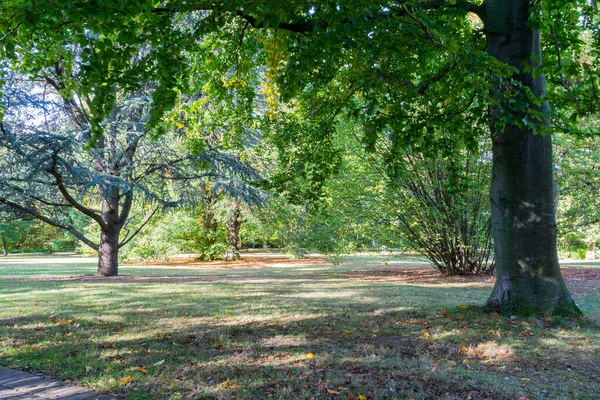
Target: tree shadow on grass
point(248, 361)
point(252, 339)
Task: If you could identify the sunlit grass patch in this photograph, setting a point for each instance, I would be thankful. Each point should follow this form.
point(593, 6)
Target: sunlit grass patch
point(247, 332)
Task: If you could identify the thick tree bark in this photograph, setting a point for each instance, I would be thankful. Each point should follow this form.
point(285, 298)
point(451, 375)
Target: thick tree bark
point(108, 251)
point(4, 250)
point(233, 229)
point(209, 221)
point(528, 277)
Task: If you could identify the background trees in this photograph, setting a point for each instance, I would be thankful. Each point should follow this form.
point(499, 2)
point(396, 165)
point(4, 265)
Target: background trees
point(578, 178)
point(52, 168)
point(404, 70)
point(20, 234)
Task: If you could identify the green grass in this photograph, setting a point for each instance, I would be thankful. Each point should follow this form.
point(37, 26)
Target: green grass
point(377, 327)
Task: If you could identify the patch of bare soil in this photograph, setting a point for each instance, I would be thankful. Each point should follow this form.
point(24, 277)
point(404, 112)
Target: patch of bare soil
point(576, 278)
point(582, 281)
point(588, 276)
point(418, 276)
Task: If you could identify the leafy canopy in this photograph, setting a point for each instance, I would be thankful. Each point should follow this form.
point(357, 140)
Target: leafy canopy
point(415, 72)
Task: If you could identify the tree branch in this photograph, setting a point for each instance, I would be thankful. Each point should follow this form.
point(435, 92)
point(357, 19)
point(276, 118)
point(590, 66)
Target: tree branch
point(309, 26)
point(79, 115)
point(157, 167)
point(563, 81)
point(13, 30)
point(422, 88)
point(134, 234)
point(79, 207)
point(36, 214)
point(126, 208)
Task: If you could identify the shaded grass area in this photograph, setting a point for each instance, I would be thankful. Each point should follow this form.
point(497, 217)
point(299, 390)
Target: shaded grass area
point(273, 328)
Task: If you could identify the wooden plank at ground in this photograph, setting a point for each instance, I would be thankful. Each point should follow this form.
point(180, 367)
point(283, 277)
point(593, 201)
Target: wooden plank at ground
point(26, 380)
point(83, 396)
point(9, 394)
point(33, 384)
point(6, 394)
point(17, 385)
point(13, 376)
point(47, 384)
point(62, 392)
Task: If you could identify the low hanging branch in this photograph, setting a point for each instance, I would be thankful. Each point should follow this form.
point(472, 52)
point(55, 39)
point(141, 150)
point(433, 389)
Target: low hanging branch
point(46, 163)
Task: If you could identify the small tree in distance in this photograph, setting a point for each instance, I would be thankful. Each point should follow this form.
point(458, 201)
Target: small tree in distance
point(52, 170)
point(449, 222)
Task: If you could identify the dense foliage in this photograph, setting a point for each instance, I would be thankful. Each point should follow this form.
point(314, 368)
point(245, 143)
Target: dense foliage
point(428, 78)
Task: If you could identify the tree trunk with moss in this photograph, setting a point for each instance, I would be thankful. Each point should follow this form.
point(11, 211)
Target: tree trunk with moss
point(528, 277)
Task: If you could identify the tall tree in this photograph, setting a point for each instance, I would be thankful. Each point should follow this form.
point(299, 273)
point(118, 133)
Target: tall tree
point(528, 277)
point(405, 69)
point(51, 167)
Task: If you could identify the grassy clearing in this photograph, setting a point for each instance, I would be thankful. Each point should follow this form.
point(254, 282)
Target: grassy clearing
point(272, 328)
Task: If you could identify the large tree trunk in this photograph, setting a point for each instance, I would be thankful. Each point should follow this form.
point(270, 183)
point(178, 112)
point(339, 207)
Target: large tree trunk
point(233, 229)
point(528, 277)
point(108, 251)
point(108, 254)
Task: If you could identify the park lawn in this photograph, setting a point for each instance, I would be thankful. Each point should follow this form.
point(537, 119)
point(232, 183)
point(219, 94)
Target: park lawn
point(274, 328)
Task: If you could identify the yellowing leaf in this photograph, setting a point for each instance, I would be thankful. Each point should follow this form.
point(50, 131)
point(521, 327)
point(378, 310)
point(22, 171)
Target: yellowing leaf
point(426, 335)
point(329, 391)
point(462, 305)
point(126, 380)
point(463, 348)
point(361, 397)
point(310, 356)
point(447, 101)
